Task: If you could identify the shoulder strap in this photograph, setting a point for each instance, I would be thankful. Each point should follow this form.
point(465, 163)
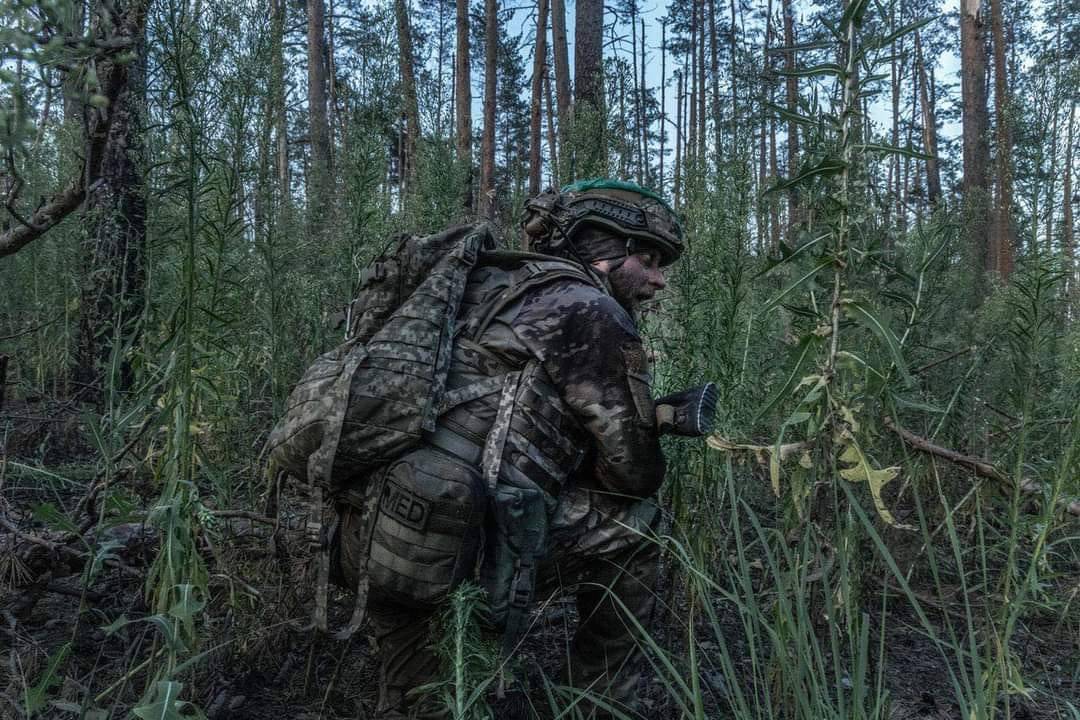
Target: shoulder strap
point(527, 277)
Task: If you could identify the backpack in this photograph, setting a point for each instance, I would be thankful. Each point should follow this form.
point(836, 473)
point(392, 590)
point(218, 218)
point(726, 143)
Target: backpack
point(369, 400)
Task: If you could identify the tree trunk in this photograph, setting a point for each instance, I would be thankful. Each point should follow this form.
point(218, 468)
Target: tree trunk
point(277, 92)
point(411, 107)
point(765, 203)
point(973, 89)
point(553, 149)
point(563, 100)
point(1002, 233)
point(487, 139)
point(702, 122)
point(463, 101)
point(792, 86)
point(893, 183)
point(638, 114)
point(663, 99)
point(535, 157)
point(692, 123)
point(679, 88)
point(714, 69)
point(929, 127)
point(590, 148)
point(112, 299)
point(644, 94)
point(1068, 239)
point(319, 127)
point(733, 46)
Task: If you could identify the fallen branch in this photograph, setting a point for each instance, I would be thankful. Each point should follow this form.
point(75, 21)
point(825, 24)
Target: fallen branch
point(977, 465)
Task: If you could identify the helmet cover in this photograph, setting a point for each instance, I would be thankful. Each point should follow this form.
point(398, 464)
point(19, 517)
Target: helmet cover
point(640, 217)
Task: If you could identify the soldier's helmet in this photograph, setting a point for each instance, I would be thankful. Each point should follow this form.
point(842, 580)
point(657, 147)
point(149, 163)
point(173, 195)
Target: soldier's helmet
point(641, 216)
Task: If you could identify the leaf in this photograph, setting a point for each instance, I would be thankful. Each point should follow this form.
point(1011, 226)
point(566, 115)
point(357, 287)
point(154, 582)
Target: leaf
point(806, 346)
point(54, 519)
point(34, 697)
point(187, 605)
point(788, 254)
point(163, 703)
point(795, 285)
point(784, 114)
point(824, 69)
point(861, 314)
point(774, 470)
point(815, 45)
point(894, 150)
point(826, 167)
point(899, 32)
point(862, 471)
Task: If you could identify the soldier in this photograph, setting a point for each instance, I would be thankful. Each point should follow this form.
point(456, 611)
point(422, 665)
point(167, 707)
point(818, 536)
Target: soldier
point(580, 436)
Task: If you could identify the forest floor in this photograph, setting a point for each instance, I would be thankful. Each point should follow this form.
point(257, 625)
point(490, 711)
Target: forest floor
point(256, 662)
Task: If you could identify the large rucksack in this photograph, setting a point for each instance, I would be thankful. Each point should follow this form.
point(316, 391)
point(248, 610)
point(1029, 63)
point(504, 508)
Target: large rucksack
point(369, 400)
point(354, 424)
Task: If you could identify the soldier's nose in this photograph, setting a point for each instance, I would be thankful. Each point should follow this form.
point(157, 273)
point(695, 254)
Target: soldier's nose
point(656, 279)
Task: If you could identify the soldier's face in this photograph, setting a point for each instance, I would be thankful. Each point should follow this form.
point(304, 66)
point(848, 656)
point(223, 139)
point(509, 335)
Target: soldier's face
point(638, 279)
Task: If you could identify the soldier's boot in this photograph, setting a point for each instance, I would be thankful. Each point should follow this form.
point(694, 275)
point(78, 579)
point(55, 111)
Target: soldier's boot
point(406, 662)
point(614, 601)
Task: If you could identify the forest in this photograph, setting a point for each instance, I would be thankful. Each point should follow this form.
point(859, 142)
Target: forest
point(880, 276)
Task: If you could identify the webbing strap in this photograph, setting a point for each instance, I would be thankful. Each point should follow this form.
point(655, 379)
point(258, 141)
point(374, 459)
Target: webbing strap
point(470, 392)
point(462, 448)
point(496, 439)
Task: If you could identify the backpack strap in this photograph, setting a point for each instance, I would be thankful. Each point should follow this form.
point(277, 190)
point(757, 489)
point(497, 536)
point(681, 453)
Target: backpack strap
point(525, 278)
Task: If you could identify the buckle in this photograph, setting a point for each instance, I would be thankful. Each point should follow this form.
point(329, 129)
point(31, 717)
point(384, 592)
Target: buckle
point(521, 587)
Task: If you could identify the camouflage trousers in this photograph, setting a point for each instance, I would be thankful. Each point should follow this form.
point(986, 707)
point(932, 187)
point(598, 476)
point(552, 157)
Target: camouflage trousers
point(598, 549)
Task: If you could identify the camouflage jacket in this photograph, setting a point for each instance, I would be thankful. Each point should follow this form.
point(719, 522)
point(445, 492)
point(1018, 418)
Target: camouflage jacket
point(593, 365)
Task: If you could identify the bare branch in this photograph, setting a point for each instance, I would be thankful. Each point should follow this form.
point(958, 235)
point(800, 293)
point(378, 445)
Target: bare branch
point(46, 217)
point(978, 466)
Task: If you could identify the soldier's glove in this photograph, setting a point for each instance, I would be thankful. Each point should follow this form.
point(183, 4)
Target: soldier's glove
point(689, 413)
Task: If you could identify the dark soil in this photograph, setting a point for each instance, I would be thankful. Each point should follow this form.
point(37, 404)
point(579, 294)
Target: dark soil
point(259, 661)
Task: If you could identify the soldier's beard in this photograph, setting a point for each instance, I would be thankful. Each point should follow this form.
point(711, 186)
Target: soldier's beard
point(630, 286)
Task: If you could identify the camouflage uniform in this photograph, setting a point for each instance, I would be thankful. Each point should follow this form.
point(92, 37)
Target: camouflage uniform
point(590, 353)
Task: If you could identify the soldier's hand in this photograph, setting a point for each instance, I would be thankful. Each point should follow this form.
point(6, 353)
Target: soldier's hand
point(689, 413)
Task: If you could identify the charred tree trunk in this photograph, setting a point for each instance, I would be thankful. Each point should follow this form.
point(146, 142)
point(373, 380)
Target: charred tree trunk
point(1002, 236)
point(112, 299)
point(463, 101)
point(535, 157)
point(487, 139)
